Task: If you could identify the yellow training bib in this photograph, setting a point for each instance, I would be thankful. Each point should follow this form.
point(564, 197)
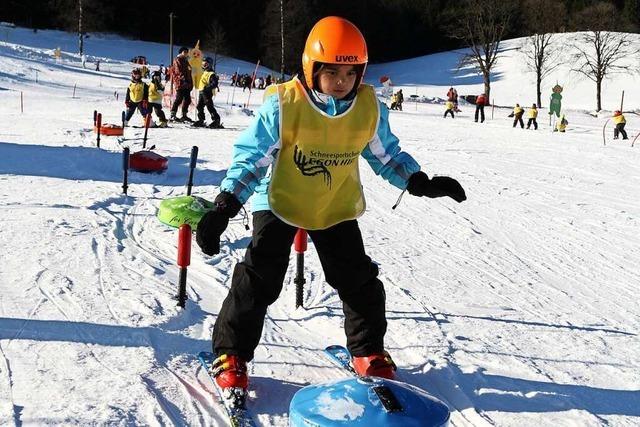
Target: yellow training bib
point(315, 180)
point(136, 91)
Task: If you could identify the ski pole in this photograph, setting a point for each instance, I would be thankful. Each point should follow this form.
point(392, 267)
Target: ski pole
point(125, 169)
point(300, 246)
point(192, 166)
point(184, 259)
point(147, 120)
point(124, 116)
point(95, 117)
point(99, 125)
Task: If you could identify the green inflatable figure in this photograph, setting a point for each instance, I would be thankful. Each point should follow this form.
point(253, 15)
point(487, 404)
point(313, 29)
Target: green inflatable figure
point(556, 100)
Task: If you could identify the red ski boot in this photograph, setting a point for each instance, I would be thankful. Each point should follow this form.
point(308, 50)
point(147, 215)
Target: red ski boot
point(230, 372)
point(375, 365)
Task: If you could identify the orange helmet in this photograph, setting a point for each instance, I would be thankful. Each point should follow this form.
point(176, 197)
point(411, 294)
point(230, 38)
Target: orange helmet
point(334, 40)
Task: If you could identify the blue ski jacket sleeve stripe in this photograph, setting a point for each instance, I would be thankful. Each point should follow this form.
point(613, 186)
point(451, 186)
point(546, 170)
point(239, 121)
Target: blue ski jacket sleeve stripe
point(258, 145)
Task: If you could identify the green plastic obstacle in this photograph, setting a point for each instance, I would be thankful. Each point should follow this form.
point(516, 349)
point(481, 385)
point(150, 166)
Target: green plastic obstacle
point(183, 210)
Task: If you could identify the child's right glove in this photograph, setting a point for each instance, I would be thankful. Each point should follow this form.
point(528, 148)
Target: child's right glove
point(214, 222)
point(439, 186)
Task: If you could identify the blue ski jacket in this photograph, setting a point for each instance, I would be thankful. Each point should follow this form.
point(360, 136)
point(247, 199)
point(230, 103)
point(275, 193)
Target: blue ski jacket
point(258, 145)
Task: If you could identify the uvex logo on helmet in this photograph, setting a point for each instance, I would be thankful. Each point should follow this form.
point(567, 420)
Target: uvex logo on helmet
point(346, 58)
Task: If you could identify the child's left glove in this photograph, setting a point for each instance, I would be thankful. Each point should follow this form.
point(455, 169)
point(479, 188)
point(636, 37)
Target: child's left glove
point(214, 222)
point(439, 186)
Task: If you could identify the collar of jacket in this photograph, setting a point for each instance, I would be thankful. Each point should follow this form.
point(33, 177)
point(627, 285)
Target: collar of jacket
point(329, 104)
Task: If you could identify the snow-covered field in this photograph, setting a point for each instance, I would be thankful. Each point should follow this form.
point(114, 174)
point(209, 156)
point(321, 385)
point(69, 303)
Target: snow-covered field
point(517, 307)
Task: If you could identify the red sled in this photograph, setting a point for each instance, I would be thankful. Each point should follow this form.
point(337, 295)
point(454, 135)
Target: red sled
point(147, 161)
point(107, 129)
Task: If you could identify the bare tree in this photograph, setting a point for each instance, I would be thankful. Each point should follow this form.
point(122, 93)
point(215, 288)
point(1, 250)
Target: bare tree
point(289, 28)
point(482, 25)
point(599, 52)
point(543, 18)
point(216, 40)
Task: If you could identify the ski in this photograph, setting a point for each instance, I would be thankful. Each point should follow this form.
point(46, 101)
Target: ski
point(235, 405)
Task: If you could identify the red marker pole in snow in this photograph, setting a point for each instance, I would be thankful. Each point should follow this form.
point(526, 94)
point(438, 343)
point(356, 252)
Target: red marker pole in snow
point(300, 246)
point(98, 126)
point(184, 259)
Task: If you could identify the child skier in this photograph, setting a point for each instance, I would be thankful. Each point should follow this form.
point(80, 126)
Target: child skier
point(517, 116)
point(480, 102)
point(562, 124)
point(156, 89)
point(137, 96)
point(449, 105)
point(209, 83)
point(394, 102)
point(311, 132)
point(532, 114)
point(620, 122)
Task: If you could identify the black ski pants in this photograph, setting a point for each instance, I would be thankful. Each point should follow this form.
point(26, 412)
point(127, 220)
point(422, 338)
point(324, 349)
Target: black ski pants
point(157, 108)
point(206, 100)
point(518, 119)
point(480, 110)
point(447, 112)
point(534, 121)
point(257, 282)
point(620, 129)
point(183, 97)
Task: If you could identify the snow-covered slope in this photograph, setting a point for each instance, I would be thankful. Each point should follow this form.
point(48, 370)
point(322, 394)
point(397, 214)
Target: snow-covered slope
point(517, 307)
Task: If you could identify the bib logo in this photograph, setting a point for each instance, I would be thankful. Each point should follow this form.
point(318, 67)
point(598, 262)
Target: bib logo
point(346, 58)
point(308, 168)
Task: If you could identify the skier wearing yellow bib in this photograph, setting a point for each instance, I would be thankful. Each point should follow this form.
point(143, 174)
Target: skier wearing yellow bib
point(311, 132)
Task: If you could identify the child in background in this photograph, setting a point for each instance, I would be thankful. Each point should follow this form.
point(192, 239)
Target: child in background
point(561, 125)
point(480, 102)
point(449, 105)
point(137, 96)
point(209, 83)
point(517, 116)
point(310, 135)
point(394, 102)
point(532, 114)
point(156, 89)
point(620, 122)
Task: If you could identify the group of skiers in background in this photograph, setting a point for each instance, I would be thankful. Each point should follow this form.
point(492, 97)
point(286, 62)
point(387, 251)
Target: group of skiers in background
point(147, 97)
point(247, 81)
point(451, 106)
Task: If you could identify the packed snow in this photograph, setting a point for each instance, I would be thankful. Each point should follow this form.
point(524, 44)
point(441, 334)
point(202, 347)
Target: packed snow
point(517, 307)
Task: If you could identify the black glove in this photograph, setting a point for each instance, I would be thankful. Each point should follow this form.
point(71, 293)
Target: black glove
point(439, 186)
point(214, 222)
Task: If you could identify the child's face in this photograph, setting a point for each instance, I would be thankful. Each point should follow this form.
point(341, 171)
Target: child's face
point(337, 80)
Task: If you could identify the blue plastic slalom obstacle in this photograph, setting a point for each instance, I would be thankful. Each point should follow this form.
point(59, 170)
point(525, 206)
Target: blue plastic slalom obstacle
point(366, 401)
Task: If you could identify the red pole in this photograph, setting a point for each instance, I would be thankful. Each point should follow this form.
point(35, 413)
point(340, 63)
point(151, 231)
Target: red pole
point(184, 259)
point(300, 246)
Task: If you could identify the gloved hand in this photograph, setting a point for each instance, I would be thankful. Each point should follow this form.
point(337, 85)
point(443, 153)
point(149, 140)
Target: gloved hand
point(439, 186)
point(127, 104)
point(214, 222)
point(145, 104)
